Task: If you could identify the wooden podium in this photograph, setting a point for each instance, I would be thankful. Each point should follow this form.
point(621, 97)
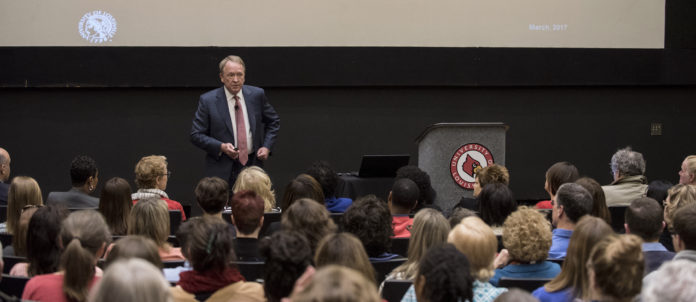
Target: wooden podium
point(451, 153)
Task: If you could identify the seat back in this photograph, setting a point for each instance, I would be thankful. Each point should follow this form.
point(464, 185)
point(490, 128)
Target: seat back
point(268, 218)
point(174, 221)
point(400, 246)
point(6, 239)
point(383, 268)
point(173, 263)
point(251, 270)
point(617, 218)
point(394, 290)
point(10, 261)
point(527, 284)
point(3, 213)
point(13, 285)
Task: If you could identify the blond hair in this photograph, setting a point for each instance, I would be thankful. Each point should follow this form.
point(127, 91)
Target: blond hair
point(678, 197)
point(476, 240)
point(527, 235)
point(148, 169)
point(337, 283)
point(618, 265)
point(691, 165)
point(231, 58)
point(430, 229)
point(150, 218)
point(255, 179)
point(23, 191)
point(346, 250)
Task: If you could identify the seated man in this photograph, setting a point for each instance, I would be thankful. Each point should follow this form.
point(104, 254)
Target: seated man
point(328, 179)
point(402, 199)
point(572, 202)
point(84, 176)
point(684, 238)
point(628, 168)
point(644, 219)
point(212, 194)
point(247, 217)
point(368, 218)
point(4, 175)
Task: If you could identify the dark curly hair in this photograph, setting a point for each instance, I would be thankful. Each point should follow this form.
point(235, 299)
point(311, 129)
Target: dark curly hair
point(447, 275)
point(496, 203)
point(81, 168)
point(422, 179)
point(325, 175)
point(287, 256)
point(368, 218)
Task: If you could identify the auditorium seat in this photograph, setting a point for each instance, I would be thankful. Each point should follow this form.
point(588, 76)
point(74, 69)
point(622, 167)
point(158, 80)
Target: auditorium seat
point(268, 218)
point(10, 261)
point(173, 264)
point(383, 268)
point(6, 239)
point(527, 284)
point(13, 285)
point(251, 270)
point(394, 290)
point(3, 213)
point(400, 246)
point(174, 221)
point(617, 218)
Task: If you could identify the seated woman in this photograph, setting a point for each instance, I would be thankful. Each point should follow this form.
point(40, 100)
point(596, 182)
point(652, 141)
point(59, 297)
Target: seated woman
point(599, 201)
point(115, 204)
point(495, 204)
point(558, 174)
point(368, 218)
point(484, 176)
point(135, 247)
point(346, 250)
point(573, 282)
point(429, 230)
point(23, 191)
point(151, 177)
point(443, 276)
point(615, 268)
point(132, 279)
point(84, 176)
point(475, 239)
point(303, 186)
point(84, 236)
point(150, 218)
point(336, 283)
point(19, 239)
point(255, 179)
point(287, 256)
point(527, 239)
point(42, 246)
point(678, 197)
point(213, 278)
point(310, 219)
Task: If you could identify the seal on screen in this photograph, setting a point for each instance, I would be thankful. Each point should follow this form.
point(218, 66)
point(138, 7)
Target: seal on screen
point(97, 27)
point(466, 161)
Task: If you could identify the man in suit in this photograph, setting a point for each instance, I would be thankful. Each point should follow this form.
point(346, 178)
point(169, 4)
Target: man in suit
point(84, 176)
point(235, 124)
point(4, 175)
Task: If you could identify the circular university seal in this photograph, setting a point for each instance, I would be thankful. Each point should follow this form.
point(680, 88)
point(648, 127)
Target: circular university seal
point(97, 26)
point(466, 161)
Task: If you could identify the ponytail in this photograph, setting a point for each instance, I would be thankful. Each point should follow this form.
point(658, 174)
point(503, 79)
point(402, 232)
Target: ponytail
point(78, 264)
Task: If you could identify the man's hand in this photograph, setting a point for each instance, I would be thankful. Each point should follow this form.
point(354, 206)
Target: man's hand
point(229, 149)
point(263, 153)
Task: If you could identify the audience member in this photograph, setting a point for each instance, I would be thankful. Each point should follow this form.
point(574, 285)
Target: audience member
point(557, 175)
point(643, 218)
point(247, 217)
point(84, 236)
point(475, 239)
point(484, 176)
point(573, 282)
point(495, 204)
point(85, 177)
point(571, 203)
point(687, 174)
point(402, 199)
point(368, 218)
point(615, 268)
point(346, 250)
point(427, 194)
point(23, 191)
point(19, 239)
point(42, 245)
point(684, 235)
point(599, 202)
point(527, 239)
point(336, 283)
point(678, 197)
point(674, 282)
point(328, 179)
point(458, 214)
point(132, 279)
point(135, 247)
point(310, 219)
point(255, 179)
point(212, 194)
point(303, 186)
point(444, 275)
point(151, 177)
point(516, 295)
point(115, 204)
point(150, 218)
point(657, 189)
point(287, 256)
point(172, 273)
point(5, 170)
point(429, 230)
point(213, 278)
point(628, 169)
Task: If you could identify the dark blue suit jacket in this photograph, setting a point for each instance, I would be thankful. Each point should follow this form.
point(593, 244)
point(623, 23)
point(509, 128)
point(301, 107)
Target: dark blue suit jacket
point(212, 126)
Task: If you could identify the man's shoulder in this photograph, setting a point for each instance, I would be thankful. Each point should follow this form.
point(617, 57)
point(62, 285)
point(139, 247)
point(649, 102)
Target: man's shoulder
point(212, 94)
point(252, 89)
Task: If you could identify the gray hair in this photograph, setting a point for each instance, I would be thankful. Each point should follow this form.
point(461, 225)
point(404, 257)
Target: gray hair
point(575, 199)
point(132, 280)
point(3, 158)
point(673, 281)
point(231, 58)
point(627, 162)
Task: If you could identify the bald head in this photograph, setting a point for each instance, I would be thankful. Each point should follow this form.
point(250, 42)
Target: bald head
point(4, 165)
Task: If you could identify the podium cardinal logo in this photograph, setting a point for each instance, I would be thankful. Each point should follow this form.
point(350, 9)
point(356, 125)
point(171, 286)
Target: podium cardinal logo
point(471, 166)
point(467, 161)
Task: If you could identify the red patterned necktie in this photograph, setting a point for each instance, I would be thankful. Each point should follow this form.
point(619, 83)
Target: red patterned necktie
point(241, 132)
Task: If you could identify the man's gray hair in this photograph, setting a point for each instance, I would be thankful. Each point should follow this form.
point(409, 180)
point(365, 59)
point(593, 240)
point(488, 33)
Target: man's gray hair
point(575, 199)
point(231, 58)
point(627, 162)
point(673, 281)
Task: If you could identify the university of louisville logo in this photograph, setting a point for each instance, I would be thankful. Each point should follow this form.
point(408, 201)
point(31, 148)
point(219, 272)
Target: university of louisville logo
point(97, 27)
point(466, 161)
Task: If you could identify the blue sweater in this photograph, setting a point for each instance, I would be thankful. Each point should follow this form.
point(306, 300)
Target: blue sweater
point(544, 269)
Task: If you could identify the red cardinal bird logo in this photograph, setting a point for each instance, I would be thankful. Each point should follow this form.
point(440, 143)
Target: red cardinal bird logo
point(471, 166)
